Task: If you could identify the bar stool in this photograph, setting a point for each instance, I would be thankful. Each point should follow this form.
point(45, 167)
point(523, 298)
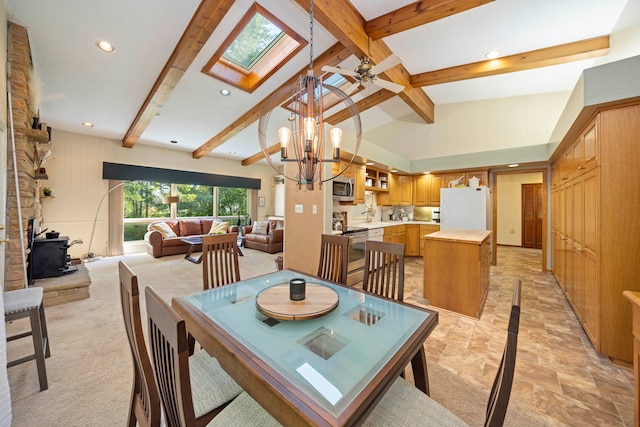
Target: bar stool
point(23, 303)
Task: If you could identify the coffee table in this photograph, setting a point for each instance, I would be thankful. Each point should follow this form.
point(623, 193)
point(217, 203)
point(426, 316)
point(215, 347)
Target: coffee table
point(194, 242)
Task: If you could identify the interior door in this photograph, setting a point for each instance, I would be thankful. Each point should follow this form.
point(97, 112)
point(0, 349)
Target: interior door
point(532, 216)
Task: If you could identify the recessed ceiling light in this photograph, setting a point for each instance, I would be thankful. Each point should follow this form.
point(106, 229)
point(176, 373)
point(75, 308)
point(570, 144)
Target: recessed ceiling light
point(426, 173)
point(105, 46)
point(492, 54)
point(394, 170)
point(224, 92)
point(232, 152)
point(514, 165)
point(87, 124)
point(370, 163)
point(173, 141)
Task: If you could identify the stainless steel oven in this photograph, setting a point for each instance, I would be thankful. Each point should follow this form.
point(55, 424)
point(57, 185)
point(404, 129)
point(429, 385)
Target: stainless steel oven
point(355, 268)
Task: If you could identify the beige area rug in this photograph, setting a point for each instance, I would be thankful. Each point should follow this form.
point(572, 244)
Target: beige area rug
point(90, 370)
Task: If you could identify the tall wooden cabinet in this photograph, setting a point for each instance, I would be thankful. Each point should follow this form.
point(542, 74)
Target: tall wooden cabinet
point(595, 205)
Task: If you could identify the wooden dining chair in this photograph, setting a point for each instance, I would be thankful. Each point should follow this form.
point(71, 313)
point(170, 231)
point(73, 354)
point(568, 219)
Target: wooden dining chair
point(220, 260)
point(334, 258)
point(144, 408)
point(403, 403)
point(176, 377)
point(384, 269)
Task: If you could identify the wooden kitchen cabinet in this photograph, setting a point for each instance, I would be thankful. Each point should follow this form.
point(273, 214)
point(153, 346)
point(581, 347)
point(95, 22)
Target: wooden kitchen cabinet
point(413, 240)
point(456, 270)
point(405, 183)
point(359, 180)
point(426, 190)
point(595, 224)
point(396, 234)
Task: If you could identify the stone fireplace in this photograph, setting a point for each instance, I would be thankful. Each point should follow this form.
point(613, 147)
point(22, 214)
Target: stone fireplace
point(27, 142)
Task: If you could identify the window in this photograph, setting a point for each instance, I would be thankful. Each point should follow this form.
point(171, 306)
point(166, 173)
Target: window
point(254, 50)
point(143, 204)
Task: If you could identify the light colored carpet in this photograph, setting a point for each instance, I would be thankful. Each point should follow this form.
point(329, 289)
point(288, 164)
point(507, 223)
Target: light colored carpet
point(90, 370)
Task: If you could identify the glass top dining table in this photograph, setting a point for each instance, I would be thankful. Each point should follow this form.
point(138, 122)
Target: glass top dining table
point(328, 370)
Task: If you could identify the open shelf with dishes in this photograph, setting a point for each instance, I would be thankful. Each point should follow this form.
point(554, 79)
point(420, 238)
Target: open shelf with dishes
point(376, 180)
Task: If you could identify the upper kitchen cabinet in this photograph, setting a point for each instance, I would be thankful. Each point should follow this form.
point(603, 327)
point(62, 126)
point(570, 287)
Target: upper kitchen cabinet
point(400, 191)
point(426, 190)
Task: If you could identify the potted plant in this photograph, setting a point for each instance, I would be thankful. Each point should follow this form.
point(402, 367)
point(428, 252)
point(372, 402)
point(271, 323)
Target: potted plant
point(48, 192)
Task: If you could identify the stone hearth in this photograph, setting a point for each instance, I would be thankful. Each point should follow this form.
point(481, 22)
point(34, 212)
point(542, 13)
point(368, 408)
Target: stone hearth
point(66, 288)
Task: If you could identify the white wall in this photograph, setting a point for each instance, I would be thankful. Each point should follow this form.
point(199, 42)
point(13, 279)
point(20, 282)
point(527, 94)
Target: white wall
point(509, 229)
point(75, 174)
point(492, 126)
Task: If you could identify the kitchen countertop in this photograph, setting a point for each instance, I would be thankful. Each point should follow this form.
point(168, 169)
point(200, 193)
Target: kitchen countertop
point(460, 235)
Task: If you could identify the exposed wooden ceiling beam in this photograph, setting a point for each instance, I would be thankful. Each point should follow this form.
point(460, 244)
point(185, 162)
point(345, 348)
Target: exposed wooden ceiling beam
point(576, 51)
point(362, 105)
point(275, 148)
point(417, 14)
point(205, 20)
point(346, 24)
point(332, 57)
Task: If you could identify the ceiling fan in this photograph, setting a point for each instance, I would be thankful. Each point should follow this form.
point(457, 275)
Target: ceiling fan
point(367, 73)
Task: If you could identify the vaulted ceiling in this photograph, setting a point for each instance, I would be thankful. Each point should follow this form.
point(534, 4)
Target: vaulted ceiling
point(151, 89)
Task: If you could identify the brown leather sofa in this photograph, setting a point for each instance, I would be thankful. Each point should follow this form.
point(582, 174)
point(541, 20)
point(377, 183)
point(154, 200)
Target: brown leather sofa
point(159, 244)
point(270, 241)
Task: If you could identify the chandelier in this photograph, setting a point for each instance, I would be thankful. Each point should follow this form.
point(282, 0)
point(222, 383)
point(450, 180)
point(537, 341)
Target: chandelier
point(302, 135)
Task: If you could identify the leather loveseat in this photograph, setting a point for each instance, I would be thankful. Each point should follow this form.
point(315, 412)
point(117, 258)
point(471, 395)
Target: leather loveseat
point(266, 236)
point(165, 237)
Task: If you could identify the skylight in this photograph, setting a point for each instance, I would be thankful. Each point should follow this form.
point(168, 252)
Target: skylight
point(253, 42)
point(259, 45)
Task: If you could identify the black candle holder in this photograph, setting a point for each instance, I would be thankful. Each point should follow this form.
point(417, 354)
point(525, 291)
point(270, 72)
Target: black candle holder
point(297, 288)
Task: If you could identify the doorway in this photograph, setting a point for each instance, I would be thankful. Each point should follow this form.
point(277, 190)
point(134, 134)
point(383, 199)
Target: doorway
point(506, 192)
point(532, 214)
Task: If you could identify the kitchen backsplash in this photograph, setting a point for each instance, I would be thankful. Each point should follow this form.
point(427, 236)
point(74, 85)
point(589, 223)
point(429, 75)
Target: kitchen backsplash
point(357, 214)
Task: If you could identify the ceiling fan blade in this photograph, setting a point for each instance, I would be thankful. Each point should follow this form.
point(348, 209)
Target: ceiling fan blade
point(385, 64)
point(385, 84)
point(341, 71)
point(352, 88)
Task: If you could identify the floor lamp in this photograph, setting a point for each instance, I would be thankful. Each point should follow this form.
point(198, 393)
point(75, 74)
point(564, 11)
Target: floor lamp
point(95, 220)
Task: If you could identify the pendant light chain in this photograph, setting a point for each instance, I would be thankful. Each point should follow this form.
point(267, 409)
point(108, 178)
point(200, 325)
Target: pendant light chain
point(311, 35)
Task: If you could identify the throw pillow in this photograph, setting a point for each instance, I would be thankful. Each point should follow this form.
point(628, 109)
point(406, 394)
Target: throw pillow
point(219, 227)
point(260, 227)
point(164, 229)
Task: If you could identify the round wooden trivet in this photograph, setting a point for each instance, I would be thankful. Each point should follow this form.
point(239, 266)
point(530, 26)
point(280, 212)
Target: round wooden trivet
point(274, 302)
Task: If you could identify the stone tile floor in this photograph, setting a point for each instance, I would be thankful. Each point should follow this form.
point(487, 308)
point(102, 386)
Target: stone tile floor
point(559, 376)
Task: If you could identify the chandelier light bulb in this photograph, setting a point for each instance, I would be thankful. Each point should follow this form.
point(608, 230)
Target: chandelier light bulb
point(336, 140)
point(284, 134)
point(309, 128)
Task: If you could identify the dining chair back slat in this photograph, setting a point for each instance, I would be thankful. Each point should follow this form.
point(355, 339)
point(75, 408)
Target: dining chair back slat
point(220, 260)
point(170, 354)
point(334, 258)
point(384, 269)
point(144, 408)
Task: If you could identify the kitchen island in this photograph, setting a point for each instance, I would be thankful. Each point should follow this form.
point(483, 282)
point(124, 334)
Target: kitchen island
point(456, 270)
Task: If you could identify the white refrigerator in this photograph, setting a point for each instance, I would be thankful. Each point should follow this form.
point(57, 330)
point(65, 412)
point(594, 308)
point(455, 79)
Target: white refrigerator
point(466, 208)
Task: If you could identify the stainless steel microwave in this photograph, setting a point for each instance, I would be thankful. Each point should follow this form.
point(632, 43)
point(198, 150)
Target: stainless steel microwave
point(343, 189)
